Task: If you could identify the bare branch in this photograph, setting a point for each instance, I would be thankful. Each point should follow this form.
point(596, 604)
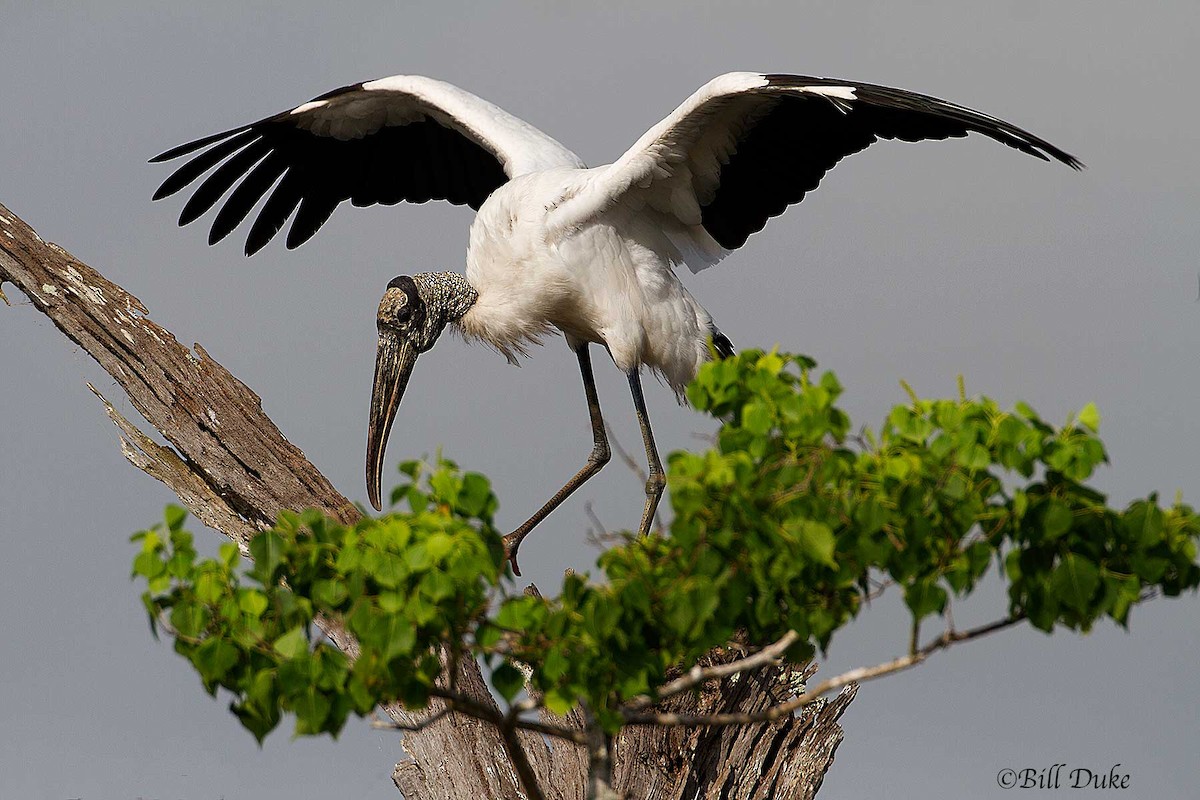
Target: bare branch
point(472, 708)
point(698, 674)
point(601, 532)
point(860, 675)
point(623, 454)
point(411, 727)
point(165, 465)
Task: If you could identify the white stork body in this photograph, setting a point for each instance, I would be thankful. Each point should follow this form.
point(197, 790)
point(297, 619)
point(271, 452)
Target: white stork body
point(607, 279)
point(590, 252)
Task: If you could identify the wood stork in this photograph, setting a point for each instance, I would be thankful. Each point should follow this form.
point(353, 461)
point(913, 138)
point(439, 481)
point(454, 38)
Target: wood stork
point(556, 245)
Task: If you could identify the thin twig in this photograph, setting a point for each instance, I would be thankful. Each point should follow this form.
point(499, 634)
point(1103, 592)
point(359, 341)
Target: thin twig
point(698, 674)
point(411, 727)
point(465, 705)
point(878, 588)
point(623, 454)
point(809, 697)
point(601, 531)
point(601, 537)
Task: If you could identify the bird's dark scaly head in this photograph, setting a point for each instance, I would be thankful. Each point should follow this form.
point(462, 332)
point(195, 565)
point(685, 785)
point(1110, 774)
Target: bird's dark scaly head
point(412, 314)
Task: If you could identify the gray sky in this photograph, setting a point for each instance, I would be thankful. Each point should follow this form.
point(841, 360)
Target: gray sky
point(911, 261)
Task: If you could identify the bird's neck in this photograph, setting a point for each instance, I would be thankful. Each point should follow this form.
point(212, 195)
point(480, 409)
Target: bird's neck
point(447, 294)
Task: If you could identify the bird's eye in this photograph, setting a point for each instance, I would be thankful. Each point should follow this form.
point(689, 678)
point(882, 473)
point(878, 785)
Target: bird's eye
point(396, 307)
point(403, 308)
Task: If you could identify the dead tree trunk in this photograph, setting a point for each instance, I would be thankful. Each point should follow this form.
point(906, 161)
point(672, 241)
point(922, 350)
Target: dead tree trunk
point(235, 471)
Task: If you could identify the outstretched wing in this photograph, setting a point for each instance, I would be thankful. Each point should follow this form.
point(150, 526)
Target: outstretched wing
point(746, 146)
point(400, 138)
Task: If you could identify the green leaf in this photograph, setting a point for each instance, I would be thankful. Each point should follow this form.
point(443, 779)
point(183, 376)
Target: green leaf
point(329, 593)
point(255, 719)
point(1089, 417)
point(475, 495)
point(1126, 592)
point(559, 703)
point(148, 565)
point(189, 619)
point(175, 516)
point(210, 588)
point(395, 637)
point(1056, 519)
point(361, 697)
point(757, 418)
point(870, 515)
point(180, 565)
point(267, 549)
point(292, 644)
point(418, 557)
point(437, 585)
point(439, 545)
point(214, 658)
point(388, 569)
point(446, 486)
point(816, 540)
point(974, 457)
point(1074, 581)
point(1144, 522)
point(925, 597)
point(508, 680)
point(229, 554)
point(252, 602)
point(152, 611)
point(488, 636)
point(311, 709)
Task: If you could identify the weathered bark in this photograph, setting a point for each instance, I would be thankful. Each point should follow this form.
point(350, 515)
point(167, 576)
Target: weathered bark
point(768, 761)
point(231, 466)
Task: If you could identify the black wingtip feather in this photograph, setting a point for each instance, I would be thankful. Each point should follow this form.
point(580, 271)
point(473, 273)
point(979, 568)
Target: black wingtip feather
point(417, 161)
point(193, 169)
point(787, 152)
point(215, 235)
point(275, 212)
point(242, 199)
point(903, 100)
point(163, 191)
point(193, 146)
point(314, 212)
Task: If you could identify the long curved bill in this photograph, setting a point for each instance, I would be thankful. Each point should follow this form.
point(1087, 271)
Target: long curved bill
point(394, 361)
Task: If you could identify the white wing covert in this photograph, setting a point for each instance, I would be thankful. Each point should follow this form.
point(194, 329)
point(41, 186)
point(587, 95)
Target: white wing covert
point(406, 137)
point(746, 146)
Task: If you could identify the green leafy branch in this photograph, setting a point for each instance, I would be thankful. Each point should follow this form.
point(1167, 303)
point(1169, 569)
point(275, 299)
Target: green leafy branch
point(780, 532)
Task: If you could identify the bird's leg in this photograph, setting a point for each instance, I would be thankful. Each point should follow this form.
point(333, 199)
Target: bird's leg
point(657, 479)
point(599, 457)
